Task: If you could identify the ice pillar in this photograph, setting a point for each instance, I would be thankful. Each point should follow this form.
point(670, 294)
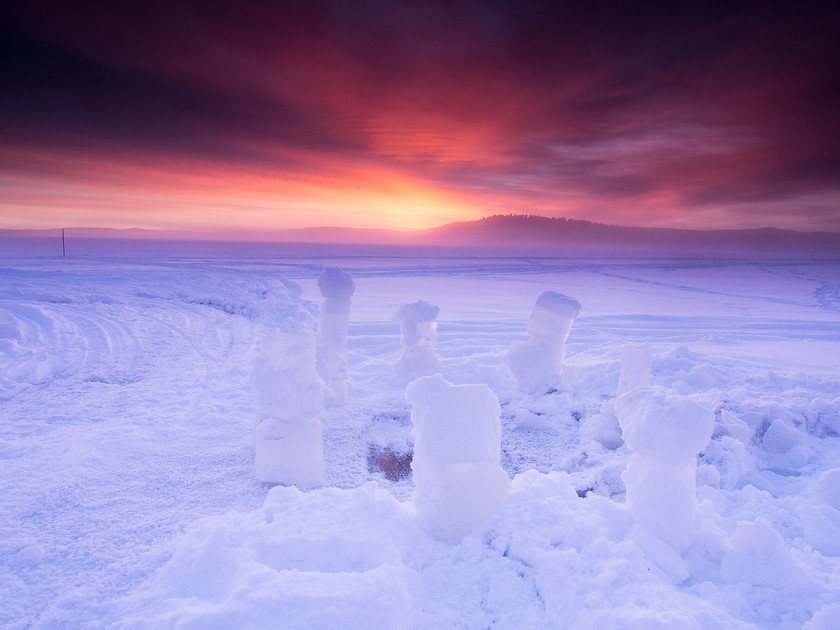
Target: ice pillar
point(337, 288)
point(457, 441)
point(538, 363)
point(290, 395)
point(419, 335)
point(665, 431)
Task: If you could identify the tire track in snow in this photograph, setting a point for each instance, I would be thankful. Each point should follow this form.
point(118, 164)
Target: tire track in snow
point(143, 421)
point(111, 346)
point(38, 345)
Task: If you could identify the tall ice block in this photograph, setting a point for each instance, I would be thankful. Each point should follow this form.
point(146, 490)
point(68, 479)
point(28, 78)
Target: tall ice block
point(457, 441)
point(337, 288)
point(665, 431)
point(419, 336)
point(288, 443)
point(538, 363)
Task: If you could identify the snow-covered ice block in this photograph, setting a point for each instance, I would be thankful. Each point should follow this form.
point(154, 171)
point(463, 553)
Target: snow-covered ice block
point(665, 431)
point(538, 363)
point(553, 316)
point(661, 496)
point(457, 440)
point(287, 436)
point(419, 335)
point(733, 426)
point(660, 423)
point(287, 387)
point(780, 437)
point(290, 453)
point(635, 368)
point(454, 423)
point(337, 288)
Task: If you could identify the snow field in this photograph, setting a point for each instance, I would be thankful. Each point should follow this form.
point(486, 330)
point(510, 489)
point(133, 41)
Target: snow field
point(127, 426)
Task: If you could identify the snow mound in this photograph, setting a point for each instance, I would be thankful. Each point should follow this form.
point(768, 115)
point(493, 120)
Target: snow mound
point(546, 558)
point(327, 559)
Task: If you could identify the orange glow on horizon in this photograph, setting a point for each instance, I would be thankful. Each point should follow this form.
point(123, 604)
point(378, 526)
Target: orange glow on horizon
point(91, 192)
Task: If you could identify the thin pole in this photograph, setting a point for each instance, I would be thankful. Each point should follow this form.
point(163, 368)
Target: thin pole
point(63, 250)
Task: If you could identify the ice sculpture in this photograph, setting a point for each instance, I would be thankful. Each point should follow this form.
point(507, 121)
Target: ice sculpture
point(457, 441)
point(290, 395)
point(419, 335)
point(665, 431)
point(337, 288)
point(538, 363)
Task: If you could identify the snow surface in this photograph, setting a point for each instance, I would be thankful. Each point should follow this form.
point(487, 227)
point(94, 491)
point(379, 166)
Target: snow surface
point(129, 497)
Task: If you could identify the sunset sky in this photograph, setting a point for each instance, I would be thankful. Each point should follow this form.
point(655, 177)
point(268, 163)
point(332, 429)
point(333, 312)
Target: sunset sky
point(409, 114)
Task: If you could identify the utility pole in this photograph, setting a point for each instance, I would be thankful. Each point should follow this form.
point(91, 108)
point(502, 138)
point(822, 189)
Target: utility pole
point(63, 250)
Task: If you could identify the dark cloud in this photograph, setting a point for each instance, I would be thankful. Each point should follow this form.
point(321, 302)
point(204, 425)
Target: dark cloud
point(705, 102)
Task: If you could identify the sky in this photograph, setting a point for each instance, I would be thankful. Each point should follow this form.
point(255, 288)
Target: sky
point(407, 114)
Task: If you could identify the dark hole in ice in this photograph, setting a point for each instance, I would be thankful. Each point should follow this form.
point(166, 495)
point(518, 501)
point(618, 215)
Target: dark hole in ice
point(394, 465)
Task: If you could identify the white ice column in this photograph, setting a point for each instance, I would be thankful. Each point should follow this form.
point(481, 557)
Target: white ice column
point(538, 363)
point(419, 336)
point(665, 431)
point(457, 441)
point(337, 288)
point(287, 438)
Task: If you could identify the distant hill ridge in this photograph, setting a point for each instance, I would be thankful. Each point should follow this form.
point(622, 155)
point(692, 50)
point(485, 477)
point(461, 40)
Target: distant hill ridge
point(511, 232)
point(541, 232)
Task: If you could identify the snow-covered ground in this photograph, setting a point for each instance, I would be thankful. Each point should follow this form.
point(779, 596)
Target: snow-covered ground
point(128, 496)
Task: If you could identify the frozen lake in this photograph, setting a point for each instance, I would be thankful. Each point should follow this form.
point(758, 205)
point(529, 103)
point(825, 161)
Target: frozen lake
point(128, 497)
